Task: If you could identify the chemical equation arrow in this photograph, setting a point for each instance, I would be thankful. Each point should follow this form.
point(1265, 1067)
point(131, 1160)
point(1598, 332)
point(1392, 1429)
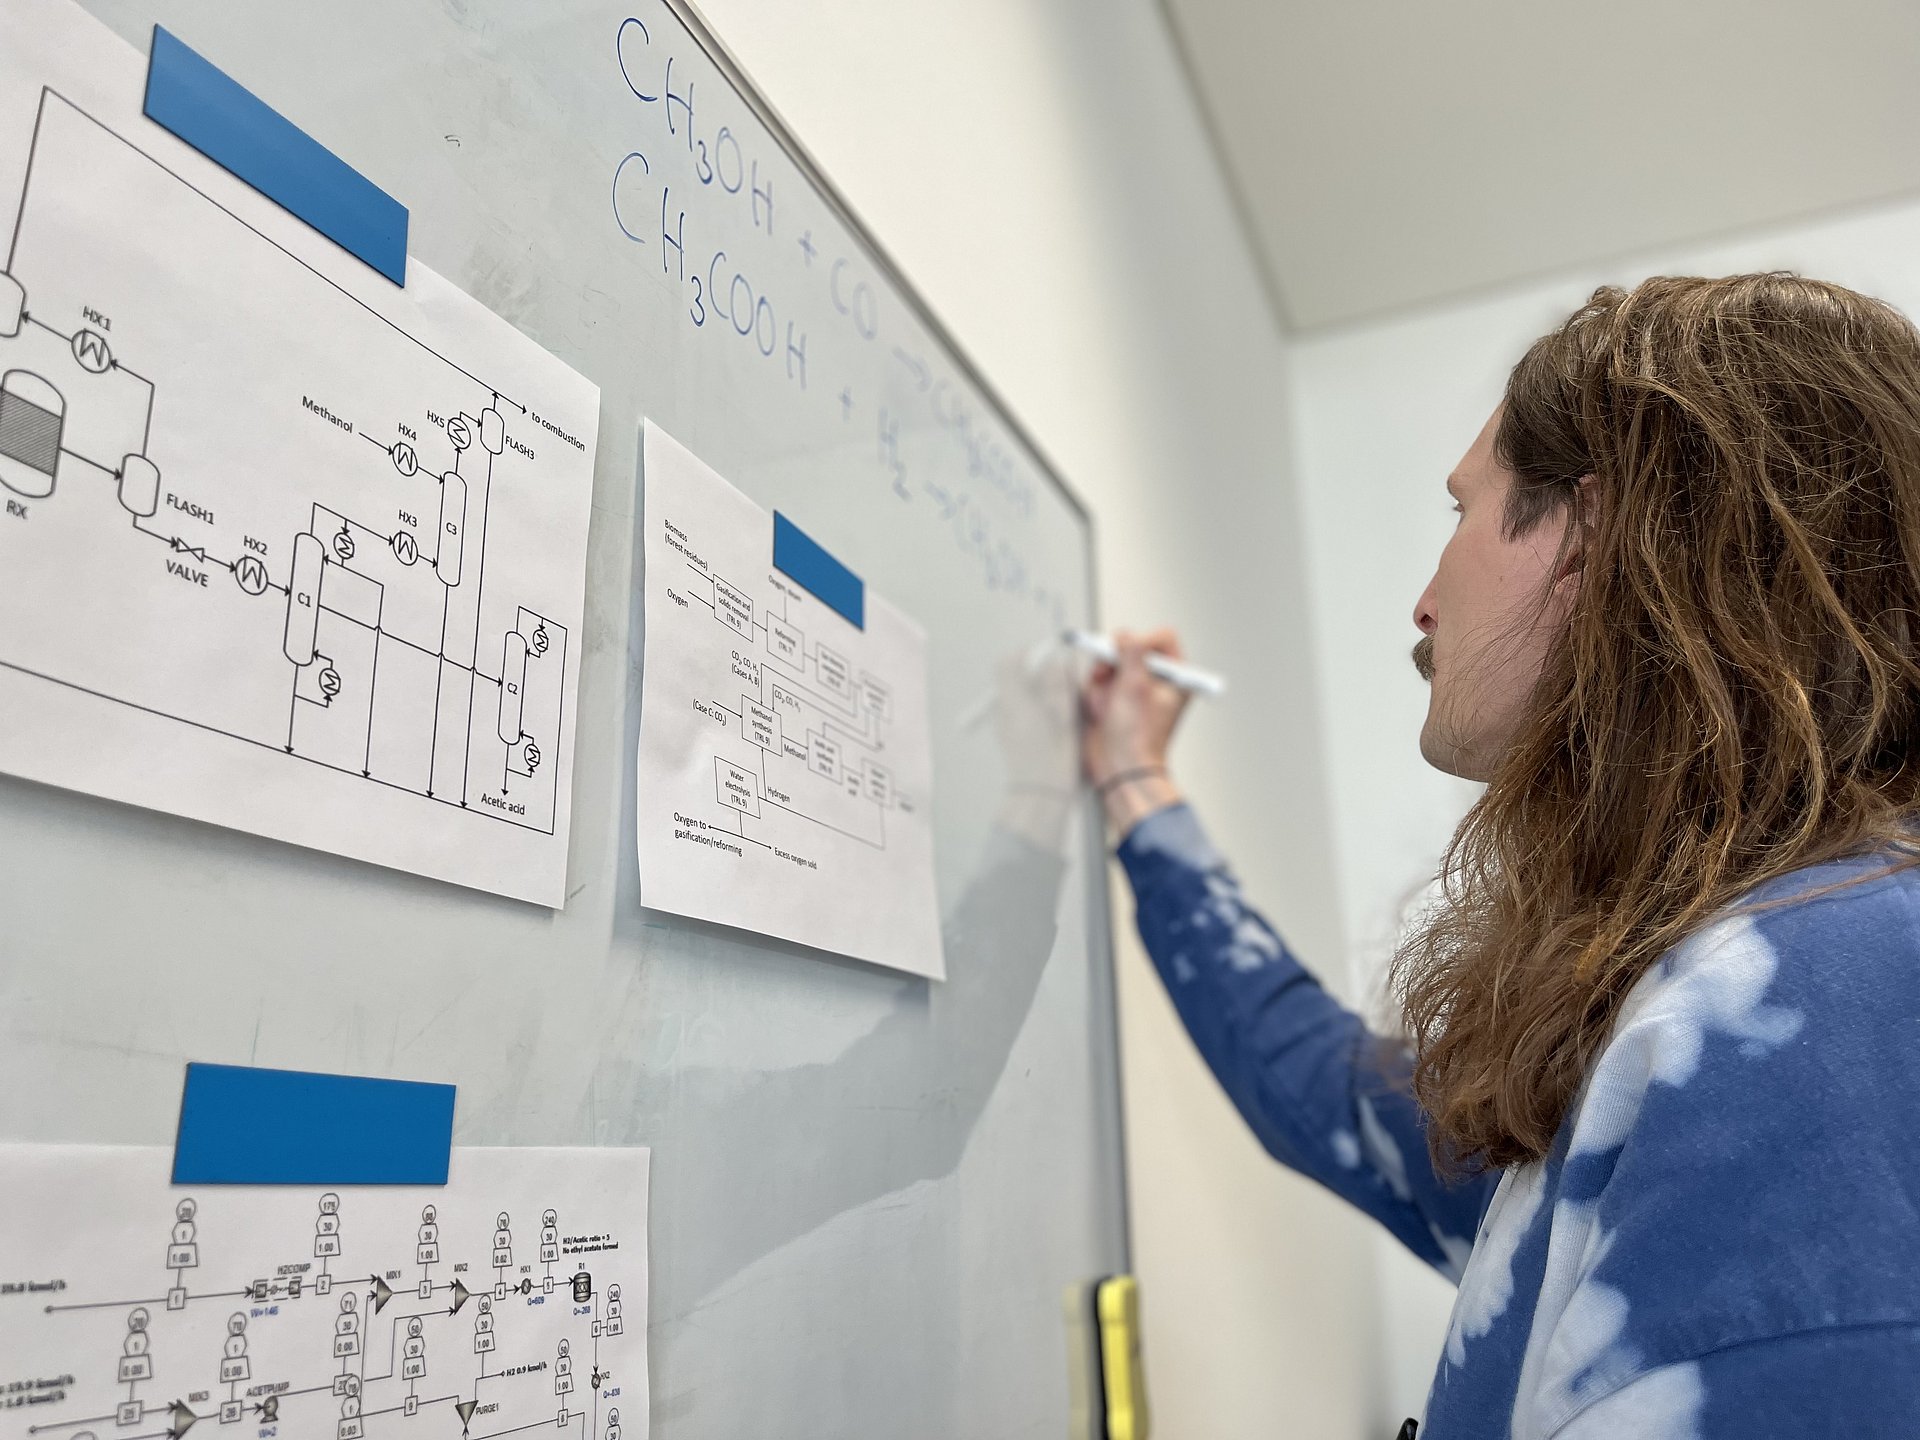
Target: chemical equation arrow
point(915, 367)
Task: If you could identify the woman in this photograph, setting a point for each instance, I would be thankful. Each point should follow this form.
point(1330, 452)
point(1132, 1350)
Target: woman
point(1655, 1104)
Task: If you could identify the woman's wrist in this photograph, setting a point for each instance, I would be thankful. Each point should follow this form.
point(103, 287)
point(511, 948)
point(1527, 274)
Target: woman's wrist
point(1130, 796)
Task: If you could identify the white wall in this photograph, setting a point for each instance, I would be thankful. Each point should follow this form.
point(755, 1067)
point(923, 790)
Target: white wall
point(1395, 154)
point(1381, 414)
point(1040, 171)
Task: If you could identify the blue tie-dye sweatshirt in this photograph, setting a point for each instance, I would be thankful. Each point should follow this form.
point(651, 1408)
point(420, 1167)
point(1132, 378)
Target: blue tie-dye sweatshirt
point(1725, 1239)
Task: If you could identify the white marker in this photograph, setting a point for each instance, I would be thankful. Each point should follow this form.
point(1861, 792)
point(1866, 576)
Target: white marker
point(1197, 682)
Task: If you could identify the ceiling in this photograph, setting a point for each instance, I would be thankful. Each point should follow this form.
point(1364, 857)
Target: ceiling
point(1390, 153)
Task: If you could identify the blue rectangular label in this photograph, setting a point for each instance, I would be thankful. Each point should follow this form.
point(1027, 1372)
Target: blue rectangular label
point(232, 127)
point(245, 1126)
point(799, 557)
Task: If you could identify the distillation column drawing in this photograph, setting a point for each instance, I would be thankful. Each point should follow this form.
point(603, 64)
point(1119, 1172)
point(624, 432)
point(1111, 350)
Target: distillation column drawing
point(336, 586)
point(240, 498)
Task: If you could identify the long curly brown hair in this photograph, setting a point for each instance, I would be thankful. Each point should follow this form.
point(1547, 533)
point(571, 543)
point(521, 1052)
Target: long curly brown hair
point(1736, 694)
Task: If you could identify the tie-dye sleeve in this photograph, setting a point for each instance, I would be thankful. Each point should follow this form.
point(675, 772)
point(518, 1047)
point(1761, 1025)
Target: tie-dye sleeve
point(1324, 1095)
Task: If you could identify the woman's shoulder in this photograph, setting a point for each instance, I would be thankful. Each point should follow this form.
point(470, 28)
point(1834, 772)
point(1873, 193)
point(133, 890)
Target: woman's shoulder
point(1800, 1001)
point(1746, 1138)
point(1835, 943)
point(1740, 1164)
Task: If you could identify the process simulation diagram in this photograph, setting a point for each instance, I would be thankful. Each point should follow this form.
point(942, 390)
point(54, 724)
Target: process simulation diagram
point(283, 547)
point(511, 1301)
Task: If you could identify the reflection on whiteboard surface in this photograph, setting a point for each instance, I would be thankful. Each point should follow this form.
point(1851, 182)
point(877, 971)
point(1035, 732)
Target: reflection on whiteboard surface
point(785, 773)
point(511, 1299)
point(284, 548)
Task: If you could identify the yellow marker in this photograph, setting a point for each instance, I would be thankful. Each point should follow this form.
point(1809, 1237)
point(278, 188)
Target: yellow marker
point(1116, 1306)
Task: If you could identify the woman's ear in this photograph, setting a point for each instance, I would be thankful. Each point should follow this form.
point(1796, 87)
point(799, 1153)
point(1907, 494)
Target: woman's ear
point(1582, 518)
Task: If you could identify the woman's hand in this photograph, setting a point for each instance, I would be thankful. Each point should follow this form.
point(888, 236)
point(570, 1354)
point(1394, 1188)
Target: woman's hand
point(1129, 715)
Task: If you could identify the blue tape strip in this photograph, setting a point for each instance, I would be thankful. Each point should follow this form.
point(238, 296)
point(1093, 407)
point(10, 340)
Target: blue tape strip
point(232, 127)
point(244, 1126)
point(799, 557)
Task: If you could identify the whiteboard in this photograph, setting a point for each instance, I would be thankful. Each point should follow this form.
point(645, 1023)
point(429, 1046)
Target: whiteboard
point(868, 1190)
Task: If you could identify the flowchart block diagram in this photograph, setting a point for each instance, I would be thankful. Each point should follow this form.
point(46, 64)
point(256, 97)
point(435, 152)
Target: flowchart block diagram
point(760, 724)
point(738, 789)
point(785, 776)
point(282, 547)
point(393, 1344)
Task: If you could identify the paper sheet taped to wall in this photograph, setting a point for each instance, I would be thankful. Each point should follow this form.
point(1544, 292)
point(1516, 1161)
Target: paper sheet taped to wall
point(785, 769)
point(283, 548)
point(510, 1299)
